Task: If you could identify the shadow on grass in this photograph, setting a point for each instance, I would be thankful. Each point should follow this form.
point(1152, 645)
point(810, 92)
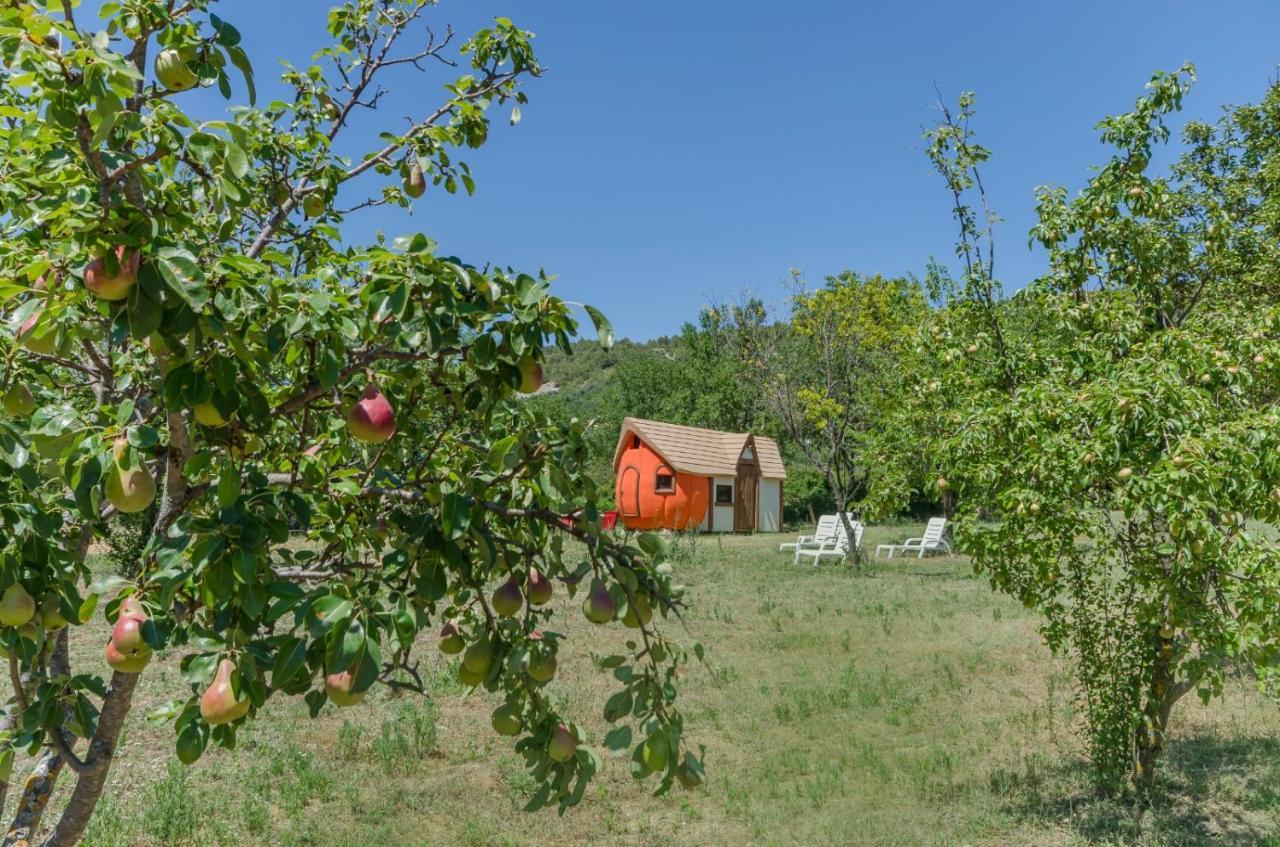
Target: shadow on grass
point(1211, 791)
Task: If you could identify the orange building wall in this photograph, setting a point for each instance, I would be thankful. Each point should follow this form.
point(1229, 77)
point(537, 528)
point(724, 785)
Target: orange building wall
point(643, 508)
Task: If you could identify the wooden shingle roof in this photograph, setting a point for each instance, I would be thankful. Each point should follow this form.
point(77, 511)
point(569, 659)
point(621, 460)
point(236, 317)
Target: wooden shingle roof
point(705, 452)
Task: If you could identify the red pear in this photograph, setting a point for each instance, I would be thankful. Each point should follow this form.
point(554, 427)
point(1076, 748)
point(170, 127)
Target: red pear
point(537, 588)
point(507, 598)
point(43, 341)
point(371, 419)
point(116, 287)
point(219, 704)
point(562, 745)
point(126, 664)
point(338, 687)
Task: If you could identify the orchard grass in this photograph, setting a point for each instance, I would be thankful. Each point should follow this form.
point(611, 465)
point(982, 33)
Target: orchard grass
point(908, 706)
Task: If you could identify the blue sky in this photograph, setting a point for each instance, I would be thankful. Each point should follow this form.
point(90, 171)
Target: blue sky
point(685, 150)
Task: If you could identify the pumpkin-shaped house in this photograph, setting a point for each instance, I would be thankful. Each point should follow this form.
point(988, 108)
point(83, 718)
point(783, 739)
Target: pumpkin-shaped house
point(685, 478)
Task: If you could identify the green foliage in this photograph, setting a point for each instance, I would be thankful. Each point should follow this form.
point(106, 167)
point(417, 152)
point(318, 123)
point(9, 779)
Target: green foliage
point(1110, 432)
point(212, 329)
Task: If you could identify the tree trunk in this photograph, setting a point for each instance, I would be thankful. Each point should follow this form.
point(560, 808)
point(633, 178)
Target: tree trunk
point(88, 790)
point(1164, 693)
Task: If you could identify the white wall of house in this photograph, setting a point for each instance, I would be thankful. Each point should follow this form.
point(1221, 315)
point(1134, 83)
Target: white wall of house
point(769, 518)
point(723, 514)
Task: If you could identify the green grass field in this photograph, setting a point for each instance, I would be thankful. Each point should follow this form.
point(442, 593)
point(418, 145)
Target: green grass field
point(906, 706)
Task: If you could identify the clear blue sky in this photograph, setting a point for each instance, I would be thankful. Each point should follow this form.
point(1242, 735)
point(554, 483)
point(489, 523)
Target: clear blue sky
point(681, 150)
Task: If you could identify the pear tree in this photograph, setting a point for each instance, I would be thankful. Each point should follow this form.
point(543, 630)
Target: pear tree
point(1111, 434)
point(332, 435)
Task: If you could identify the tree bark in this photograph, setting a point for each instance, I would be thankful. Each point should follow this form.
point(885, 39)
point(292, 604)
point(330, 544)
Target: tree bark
point(88, 790)
point(1164, 693)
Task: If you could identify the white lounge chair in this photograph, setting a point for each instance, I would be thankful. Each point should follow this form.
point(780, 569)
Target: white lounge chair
point(933, 541)
point(838, 549)
point(824, 532)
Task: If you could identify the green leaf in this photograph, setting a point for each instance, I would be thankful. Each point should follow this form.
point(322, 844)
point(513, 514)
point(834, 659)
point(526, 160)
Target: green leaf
point(290, 659)
point(183, 276)
point(604, 329)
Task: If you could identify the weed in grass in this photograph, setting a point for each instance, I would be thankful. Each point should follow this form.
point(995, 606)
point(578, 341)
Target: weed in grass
point(171, 814)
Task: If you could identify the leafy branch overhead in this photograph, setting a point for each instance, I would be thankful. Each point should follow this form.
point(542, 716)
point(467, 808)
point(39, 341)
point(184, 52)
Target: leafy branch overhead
point(331, 437)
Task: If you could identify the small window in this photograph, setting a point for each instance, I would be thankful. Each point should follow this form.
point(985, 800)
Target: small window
point(724, 494)
point(635, 442)
point(665, 484)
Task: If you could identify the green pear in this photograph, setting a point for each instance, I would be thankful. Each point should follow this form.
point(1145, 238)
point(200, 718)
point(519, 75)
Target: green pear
point(51, 613)
point(450, 640)
point(17, 607)
point(638, 612)
point(313, 205)
point(479, 657)
point(469, 677)
point(599, 606)
point(542, 668)
point(507, 599)
point(506, 720)
point(130, 490)
point(654, 753)
point(207, 414)
point(172, 71)
point(530, 375)
point(415, 184)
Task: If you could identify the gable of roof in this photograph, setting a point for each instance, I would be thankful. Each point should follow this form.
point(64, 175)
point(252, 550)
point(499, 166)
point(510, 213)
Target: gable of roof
point(705, 452)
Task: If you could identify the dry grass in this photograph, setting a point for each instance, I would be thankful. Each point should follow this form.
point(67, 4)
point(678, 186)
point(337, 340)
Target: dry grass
point(907, 706)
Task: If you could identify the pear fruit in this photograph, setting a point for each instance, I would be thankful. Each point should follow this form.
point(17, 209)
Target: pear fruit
point(415, 184)
point(41, 341)
point(338, 687)
point(479, 657)
point(450, 640)
point(313, 205)
point(19, 402)
point(654, 753)
point(599, 606)
point(51, 613)
point(131, 607)
point(371, 419)
point(207, 414)
point(126, 635)
point(16, 606)
point(219, 704)
point(506, 720)
point(562, 745)
point(127, 651)
point(470, 678)
point(537, 588)
point(172, 71)
point(541, 668)
point(639, 612)
point(530, 375)
point(131, 490)
point(126, 664)
point(507, 598)
point(97, 279)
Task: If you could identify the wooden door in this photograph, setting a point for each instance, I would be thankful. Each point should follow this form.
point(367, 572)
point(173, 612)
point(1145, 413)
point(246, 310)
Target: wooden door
point(629, 488)
point(746, 501)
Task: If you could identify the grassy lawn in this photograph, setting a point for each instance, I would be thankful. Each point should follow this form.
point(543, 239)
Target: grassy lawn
point(907, 706)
